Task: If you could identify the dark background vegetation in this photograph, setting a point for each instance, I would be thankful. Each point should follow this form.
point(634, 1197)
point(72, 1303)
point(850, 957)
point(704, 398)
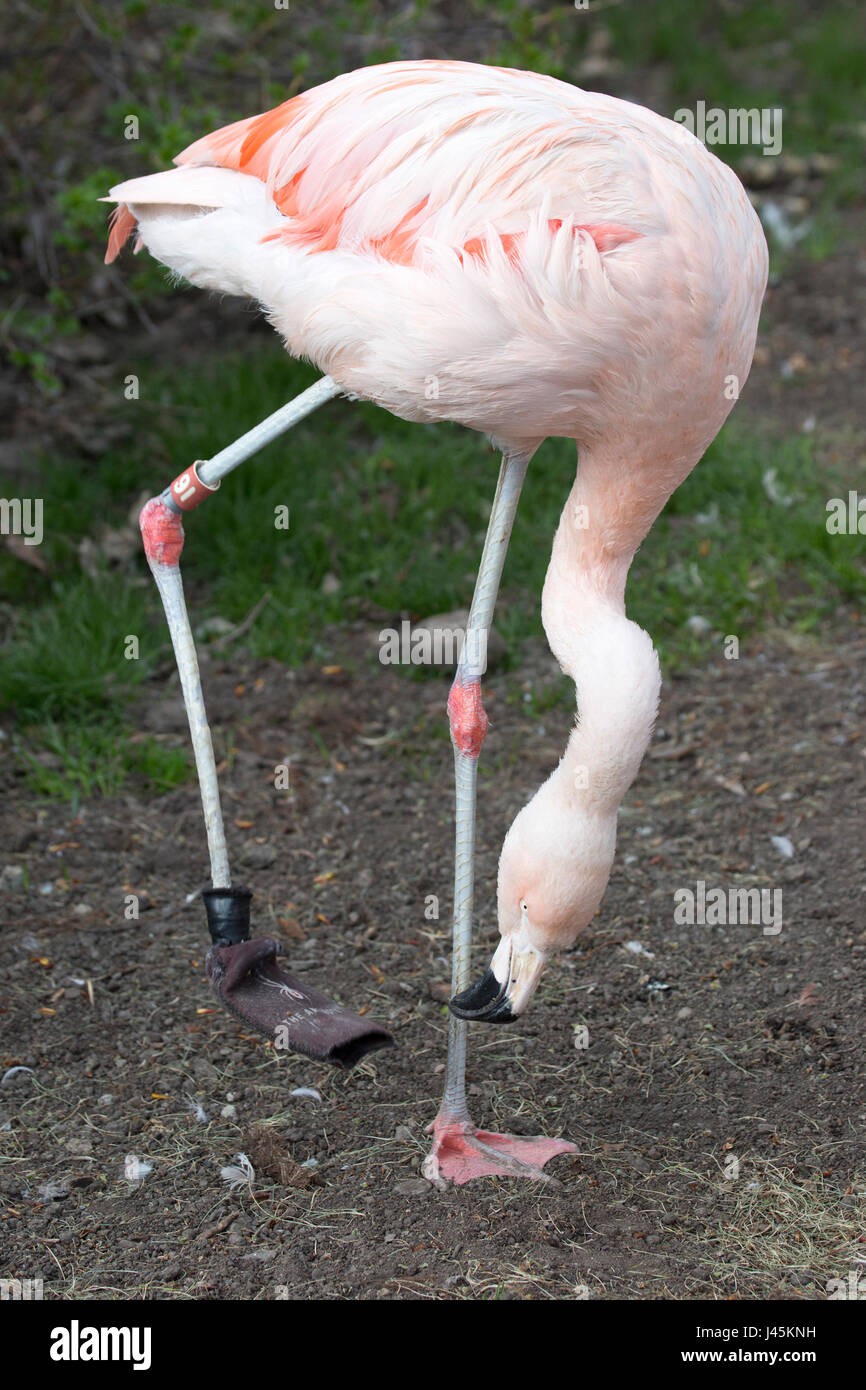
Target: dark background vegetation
point(73, 330)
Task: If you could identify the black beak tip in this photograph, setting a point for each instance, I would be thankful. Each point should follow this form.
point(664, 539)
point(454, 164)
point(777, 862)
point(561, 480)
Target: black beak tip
point(483, 1002)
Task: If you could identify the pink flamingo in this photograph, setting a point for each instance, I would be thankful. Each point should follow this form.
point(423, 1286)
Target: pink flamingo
point(501, 249)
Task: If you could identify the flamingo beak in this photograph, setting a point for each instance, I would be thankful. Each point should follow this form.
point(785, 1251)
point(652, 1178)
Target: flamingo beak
point(506, 987)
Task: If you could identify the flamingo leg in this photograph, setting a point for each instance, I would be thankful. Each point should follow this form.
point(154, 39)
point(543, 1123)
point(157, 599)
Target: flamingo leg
point(460, 1151)
point(245, 973)
point(162, 533)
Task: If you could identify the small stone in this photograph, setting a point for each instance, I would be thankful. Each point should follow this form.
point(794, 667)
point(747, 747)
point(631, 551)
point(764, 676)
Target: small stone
point(683, 1014)
point(783, 845)
point(53, 1191)
point(257, 856)
point(80, 1144)
point(402, 1132)
point(229, 1112)
point(793, 166)
point(757, 172)
point(413, 1187)
point(821, 163)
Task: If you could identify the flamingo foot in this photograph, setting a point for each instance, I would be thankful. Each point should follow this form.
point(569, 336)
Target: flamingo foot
point(461, 1153)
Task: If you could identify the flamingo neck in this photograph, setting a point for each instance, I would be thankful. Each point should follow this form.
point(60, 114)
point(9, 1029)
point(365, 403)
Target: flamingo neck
point(617, 679)
point(611, 660)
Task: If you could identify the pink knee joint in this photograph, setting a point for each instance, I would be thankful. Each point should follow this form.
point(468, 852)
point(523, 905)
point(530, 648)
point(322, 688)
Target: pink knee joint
point(162, 532)
point(160, 523)
point(467, 717)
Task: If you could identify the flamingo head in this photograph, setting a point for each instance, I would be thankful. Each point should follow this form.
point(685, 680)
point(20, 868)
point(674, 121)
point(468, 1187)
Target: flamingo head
point(553, 871)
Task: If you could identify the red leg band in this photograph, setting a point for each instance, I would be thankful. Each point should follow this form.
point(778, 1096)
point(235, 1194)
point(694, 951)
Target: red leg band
point(188, 490)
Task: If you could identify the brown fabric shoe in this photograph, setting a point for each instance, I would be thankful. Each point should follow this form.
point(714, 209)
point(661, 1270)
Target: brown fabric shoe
point(248, 979)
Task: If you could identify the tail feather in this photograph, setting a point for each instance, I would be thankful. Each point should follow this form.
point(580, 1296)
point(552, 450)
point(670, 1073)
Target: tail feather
point(121, 227)
point(173, 194)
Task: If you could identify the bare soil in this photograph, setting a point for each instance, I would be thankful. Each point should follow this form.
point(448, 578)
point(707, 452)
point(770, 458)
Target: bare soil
point(710, 1044)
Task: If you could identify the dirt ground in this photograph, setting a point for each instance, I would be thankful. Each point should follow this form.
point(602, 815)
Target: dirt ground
point(718, 1110)
point(711, 1043)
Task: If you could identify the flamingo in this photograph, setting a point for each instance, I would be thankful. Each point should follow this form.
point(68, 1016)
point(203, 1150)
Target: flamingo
point(498, 248)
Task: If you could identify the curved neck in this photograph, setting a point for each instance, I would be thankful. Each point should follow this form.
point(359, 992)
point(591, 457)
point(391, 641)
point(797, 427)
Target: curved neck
point(611, 660)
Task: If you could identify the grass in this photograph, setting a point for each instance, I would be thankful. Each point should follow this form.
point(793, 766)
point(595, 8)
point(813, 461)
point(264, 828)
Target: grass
point(395, 512)
point(71, 761)
point(776, 1224)
point(66, 659)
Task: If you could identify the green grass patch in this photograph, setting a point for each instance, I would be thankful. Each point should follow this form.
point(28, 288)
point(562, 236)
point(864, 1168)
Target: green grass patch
point(397, 513)
point(65, 658)
point(69, 762)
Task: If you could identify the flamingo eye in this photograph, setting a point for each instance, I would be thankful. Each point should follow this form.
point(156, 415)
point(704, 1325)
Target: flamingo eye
point(524, 906)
